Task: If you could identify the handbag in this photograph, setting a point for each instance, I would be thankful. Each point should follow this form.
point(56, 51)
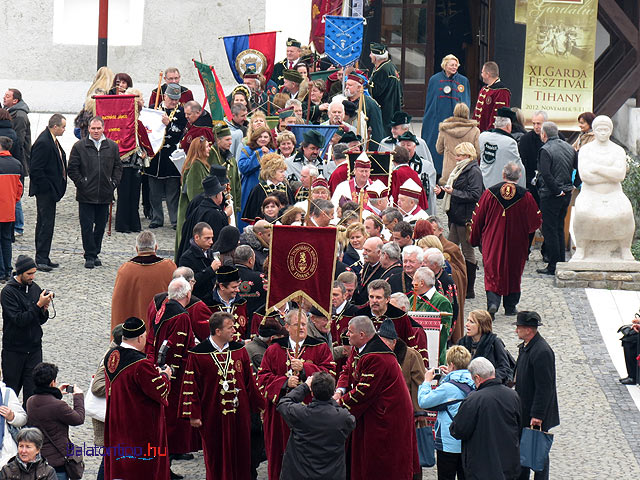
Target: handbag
point(73, 464)
point(426, 446)
point(94, 407)
point(534, 448)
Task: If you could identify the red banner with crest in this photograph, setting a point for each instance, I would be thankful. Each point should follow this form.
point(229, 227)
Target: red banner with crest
point(120, 120)
point(320, 8)
point(302, 264)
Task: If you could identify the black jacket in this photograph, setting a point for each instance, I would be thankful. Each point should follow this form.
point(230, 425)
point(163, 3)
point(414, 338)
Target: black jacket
point(251, 289)
point(536, 383)
point(491, 348)
point(95, 173)
point(21, 317)
point(248, 237)
point(488, 423)
point(6, 130)
point(205, 276)
point(315, 449)
point(467, 189)
point(556, 163)
point(201, 209)
point(48, 169)
point(38, 470)
point(529, 147)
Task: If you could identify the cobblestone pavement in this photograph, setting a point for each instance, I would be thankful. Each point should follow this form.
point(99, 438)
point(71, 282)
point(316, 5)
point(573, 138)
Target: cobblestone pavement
point(589, 443)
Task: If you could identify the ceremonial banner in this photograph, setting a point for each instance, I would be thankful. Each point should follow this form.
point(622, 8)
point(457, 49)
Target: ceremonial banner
point(559, 56)
point(257, 50)
point(381, 167)
point(321, 74)
point(213, 92)
point(343, 38)
point(152, 121)
point(302, 264)
point(120, 123)
point(328, 131)
point(320, 8)
point(431, 323)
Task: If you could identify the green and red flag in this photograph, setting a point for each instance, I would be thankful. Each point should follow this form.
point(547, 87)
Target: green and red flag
point(213, 92)
point(302, 265)
point(120, 122)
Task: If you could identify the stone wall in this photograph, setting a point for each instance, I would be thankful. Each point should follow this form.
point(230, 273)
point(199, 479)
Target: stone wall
point(567, 278)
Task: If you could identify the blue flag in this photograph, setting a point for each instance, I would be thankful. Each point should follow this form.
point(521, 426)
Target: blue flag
point(343, 38)
point(327, 131)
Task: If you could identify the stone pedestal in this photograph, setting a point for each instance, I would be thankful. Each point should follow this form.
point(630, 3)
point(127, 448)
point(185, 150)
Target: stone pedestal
point(609, 275)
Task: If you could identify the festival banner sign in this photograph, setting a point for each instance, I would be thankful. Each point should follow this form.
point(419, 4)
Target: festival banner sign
point(302, 266)
point(152, 121)
point(559, 57)
point(320, 8)
point(521, 11)
point(343, 38)
point(327, 131)
point(213, 92)
point(256, 50)
point(120, 122)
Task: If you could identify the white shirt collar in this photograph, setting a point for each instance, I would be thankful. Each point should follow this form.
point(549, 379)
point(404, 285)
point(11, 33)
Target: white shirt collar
point(341, 307)
point(430, 292)
point(215, 345)
point(126, 345)
point(293, 344)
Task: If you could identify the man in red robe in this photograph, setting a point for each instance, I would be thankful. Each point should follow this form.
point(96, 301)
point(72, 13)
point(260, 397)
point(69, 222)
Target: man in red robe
point(491, 97)
point(172, 323)
point(505, 216)
point(226, 298)
point(402, 172)
point(287, 362)
point(219, 394)
point(372, 388)
point(198, 312)
point(137, 394)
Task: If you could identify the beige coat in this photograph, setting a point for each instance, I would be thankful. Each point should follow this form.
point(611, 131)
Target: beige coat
point(453, 131)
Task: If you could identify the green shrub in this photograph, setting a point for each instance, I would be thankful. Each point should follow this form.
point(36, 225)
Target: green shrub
point(631, 188)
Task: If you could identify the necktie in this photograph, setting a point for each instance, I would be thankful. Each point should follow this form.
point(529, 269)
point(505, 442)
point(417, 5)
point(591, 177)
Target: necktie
point(64, 172)
point(290, 65)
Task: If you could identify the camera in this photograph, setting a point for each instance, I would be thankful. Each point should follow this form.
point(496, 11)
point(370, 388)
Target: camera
point(216, 256)
point(47, 292)
point(69, 389)
point(437, 373)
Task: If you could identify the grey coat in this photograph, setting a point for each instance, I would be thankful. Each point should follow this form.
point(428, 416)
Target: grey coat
point(497, 148)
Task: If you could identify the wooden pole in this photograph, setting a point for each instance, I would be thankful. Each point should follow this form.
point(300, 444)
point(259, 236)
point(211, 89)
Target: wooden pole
point(158, 91)
point(312, 179)
point(360, 202)
point(297, 352)
point(110, 217)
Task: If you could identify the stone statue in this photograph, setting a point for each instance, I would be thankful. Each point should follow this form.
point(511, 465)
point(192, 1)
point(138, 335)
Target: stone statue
point(603, 224)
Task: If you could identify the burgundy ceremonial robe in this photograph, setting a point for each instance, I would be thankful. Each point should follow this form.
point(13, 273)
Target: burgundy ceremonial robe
point(239, 311)
point(225, 413)
point(505, 216)
point(383, 444)
point(173, 324)
point(199, 315)
point(490, 99)
point(339, 175)
point(272, 382)
point(401, 175)
point(260, 318)
point(136, 400)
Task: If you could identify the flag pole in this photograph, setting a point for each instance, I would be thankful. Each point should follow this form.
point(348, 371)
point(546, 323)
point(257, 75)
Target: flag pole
point(158, 91)
point(297, 352)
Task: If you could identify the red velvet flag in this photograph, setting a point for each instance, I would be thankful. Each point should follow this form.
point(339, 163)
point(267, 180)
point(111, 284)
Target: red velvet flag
point(320, 8)
point(302, 264)
point(120, 120)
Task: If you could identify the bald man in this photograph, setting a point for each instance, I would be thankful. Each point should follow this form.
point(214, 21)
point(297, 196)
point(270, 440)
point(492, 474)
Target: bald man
point(371, 271)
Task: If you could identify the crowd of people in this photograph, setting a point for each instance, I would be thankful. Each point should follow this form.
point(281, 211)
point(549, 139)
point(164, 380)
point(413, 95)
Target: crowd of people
point(199, 363)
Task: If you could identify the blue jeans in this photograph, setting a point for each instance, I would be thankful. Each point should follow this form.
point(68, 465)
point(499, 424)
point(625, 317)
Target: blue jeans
point(19, 223)
point(62, 476)
point(6, 231)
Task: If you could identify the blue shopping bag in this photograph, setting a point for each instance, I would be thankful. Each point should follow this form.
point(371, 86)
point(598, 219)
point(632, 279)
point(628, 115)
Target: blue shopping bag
point(534, 448)
point(426, 446)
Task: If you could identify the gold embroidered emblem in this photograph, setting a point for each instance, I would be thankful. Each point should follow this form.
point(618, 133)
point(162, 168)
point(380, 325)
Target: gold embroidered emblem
point(251, 58)
point(508, 191)
point(242, 320)
point(302, 261)
point(461, 88)
point(114, 361)
point(489, 99)
point(238, 366)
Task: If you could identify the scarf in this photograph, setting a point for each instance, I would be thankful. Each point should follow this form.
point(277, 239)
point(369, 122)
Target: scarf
point(55, 391)
point(455, 173)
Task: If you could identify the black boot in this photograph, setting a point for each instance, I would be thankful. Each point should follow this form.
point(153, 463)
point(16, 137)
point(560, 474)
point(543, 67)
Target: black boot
point(471, 279)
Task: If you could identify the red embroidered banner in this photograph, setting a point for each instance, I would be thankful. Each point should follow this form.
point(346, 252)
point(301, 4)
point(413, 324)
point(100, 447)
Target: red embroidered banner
point(119, 115)
point(302, 264)
point(320, 8)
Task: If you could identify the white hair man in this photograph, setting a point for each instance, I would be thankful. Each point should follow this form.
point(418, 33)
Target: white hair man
point(412, 257)
point(425, 298)
point(408, 202)
point(529, 147)
point(172, 323)
point(372, 270)
point(364, 387)
point(497, 148)
point(493, 408)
